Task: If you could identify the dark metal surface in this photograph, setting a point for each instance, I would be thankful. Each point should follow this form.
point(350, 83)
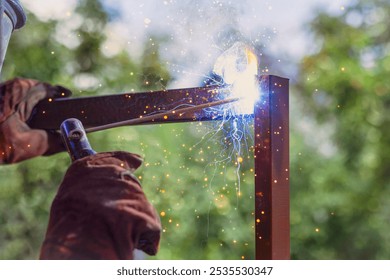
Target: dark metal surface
point(101, 110)
point(272, 194)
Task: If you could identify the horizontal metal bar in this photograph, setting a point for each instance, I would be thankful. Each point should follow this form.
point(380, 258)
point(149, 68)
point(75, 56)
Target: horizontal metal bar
point(102, 110)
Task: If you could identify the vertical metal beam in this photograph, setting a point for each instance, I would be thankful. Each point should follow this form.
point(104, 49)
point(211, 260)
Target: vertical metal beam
point(272, 194)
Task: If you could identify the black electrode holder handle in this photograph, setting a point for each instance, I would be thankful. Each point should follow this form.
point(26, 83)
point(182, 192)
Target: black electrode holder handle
point(75, 139)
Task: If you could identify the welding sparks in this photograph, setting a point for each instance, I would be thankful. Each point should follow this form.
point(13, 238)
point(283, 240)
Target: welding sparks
point(237, 76)
point(238, 66)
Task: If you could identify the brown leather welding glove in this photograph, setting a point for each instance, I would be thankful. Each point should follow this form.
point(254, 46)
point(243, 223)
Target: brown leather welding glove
point(18, 141)
point(101, 212)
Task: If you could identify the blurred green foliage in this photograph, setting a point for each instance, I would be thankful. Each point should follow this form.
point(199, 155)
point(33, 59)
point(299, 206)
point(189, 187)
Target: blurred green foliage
point(341, 191)
point(186, 173)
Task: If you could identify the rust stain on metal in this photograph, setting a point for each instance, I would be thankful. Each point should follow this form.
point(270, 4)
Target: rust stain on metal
point(272, 205)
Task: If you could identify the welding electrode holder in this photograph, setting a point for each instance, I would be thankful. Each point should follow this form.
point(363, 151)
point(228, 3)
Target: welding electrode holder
point(75, 139)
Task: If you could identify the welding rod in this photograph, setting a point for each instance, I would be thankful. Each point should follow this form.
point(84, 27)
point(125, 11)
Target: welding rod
point(162, 116)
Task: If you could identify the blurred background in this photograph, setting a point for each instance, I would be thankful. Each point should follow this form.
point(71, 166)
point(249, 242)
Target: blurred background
point(336, 55)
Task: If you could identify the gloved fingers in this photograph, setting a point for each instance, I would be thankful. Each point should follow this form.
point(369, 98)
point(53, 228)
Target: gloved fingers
point(12, 92)
point(71, 235)
point(37, 93)
point(149, 242)
point(37, 144)
point(149, 233)
point(110, 231)
point(143, 219)
point(22, 143)
point(18, 97)
point(21, 95)
point(125, 161)
point(55, 143)
point(57, 91)
point(30, 100)
point(19, 142)
point(103, 166)
point(108, 203)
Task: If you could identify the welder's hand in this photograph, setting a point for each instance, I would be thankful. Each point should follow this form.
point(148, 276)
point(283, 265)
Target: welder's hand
point(17, 100)
point(101, 212)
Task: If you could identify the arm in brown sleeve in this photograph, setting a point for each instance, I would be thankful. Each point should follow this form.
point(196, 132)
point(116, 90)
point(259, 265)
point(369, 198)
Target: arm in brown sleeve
point(18, 142)
point(101, 212)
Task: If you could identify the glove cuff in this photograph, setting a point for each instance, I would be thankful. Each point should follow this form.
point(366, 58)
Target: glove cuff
point(128, 161)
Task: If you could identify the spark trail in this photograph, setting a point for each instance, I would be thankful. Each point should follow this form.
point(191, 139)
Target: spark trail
point(236, 69)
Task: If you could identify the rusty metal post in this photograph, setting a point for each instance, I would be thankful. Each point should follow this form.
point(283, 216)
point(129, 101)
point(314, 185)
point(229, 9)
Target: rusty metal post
point(272, 206)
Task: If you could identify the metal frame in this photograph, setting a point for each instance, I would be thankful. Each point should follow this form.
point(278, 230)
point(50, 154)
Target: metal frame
point(271, 130)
